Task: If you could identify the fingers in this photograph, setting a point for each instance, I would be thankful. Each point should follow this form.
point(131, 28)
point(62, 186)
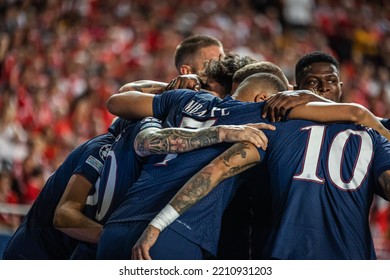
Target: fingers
point(140, 252)
point(270, 109)
point(258, 139)
point(250, 133)
point(184, 82)
point(261, 126)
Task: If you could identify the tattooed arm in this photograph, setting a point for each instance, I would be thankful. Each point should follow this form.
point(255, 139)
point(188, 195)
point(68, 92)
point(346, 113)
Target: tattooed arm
point(145, 86)
point(189, 81)
point(233, 161)
point(179, 140)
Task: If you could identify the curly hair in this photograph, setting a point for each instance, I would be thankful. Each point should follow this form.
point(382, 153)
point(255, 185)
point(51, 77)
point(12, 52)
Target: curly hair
point(222, 70)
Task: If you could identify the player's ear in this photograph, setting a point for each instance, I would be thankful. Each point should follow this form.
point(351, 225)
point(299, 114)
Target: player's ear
point(261, 97)
point(185, 69)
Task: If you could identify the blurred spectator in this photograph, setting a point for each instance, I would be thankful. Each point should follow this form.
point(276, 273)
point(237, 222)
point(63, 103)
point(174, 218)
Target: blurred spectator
point(60, 60)
point(8, 222)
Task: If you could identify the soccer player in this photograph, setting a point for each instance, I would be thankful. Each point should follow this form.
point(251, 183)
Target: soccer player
point(195, 236)
point(321, 201)
point(316, 71)
point(36, 237)
point(190, 58)
point(123, 166)
point(246, 220)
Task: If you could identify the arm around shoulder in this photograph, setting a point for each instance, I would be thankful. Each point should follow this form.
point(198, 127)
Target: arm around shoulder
point(131, 105)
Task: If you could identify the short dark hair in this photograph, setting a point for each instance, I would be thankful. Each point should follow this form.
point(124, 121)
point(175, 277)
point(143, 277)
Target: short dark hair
point(222, 70)
point(259, 67)
point(268, 81)
point(310, 58)
point(190, 46)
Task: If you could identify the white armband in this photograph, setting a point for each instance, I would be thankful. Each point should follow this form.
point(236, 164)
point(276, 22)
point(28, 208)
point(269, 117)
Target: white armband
point(166, 216)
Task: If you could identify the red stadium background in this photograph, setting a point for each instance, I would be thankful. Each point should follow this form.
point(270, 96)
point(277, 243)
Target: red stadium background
point(61, 59)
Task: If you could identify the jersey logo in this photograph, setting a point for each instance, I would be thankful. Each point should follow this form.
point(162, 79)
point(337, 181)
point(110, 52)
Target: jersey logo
point(95, 163)
point(103, 153)
point(150, 119)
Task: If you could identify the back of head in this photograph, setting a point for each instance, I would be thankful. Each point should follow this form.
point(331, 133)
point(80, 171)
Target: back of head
point(222, 70)
point(189, 47)
point(259, 67)
point(310, 58)
point(259, 86)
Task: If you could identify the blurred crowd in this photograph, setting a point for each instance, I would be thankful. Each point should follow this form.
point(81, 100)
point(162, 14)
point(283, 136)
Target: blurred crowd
point(61, 59)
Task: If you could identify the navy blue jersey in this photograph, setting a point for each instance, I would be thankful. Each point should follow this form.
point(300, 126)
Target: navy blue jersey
point(36, 237)
point(163, 176)
point(121, 169)
point(386, 123)
point(323, 178)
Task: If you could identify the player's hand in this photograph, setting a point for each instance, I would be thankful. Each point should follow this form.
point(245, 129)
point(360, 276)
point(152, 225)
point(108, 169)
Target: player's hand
point(249, 132)
point(278, 105)
point(188, 81)
point(141, 249)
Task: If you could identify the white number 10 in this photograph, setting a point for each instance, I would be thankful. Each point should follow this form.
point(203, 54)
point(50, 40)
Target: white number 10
point(335, 157)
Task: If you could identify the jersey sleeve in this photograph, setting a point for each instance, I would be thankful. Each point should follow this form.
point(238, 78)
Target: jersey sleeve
point(93, 157)
point(162, 103)
point(386, 123)
point(149, 122)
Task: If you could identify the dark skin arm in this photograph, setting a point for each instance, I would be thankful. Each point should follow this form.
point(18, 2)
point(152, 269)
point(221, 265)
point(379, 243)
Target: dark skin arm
point(277, 105)
point(342, 112)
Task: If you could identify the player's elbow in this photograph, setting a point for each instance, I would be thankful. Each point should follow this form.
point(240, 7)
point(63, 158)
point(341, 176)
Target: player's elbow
point(111, 105)
point(357, 113)
point(60, 217)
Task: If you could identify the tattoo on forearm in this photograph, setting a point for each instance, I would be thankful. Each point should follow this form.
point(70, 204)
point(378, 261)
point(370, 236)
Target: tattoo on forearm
point(236, 151)
point(172, 140)
point(201, 184)
point(196, 188)
point(148, 236)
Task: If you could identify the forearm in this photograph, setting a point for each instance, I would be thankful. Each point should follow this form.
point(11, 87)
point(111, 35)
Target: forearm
point(145, 86)
point(370, 120)
point(338, 112)
point(174, 140)
point(131, 105)
point(76, 225)
point(233, 161)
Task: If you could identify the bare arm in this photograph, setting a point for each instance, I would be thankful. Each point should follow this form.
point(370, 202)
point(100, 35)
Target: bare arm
point(384, 184)
point(131, 105)
point(144, 86)
point(189, 81)
point(68, 216)
point(233, 161)
point(277, 105)
point(179, 140)
point(342, 112)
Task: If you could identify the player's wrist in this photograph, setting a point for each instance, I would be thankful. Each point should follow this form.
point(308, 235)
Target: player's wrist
point(163, 219)
point(221, 133)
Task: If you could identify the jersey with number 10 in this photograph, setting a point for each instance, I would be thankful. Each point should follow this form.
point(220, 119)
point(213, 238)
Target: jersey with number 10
point(323, 178)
